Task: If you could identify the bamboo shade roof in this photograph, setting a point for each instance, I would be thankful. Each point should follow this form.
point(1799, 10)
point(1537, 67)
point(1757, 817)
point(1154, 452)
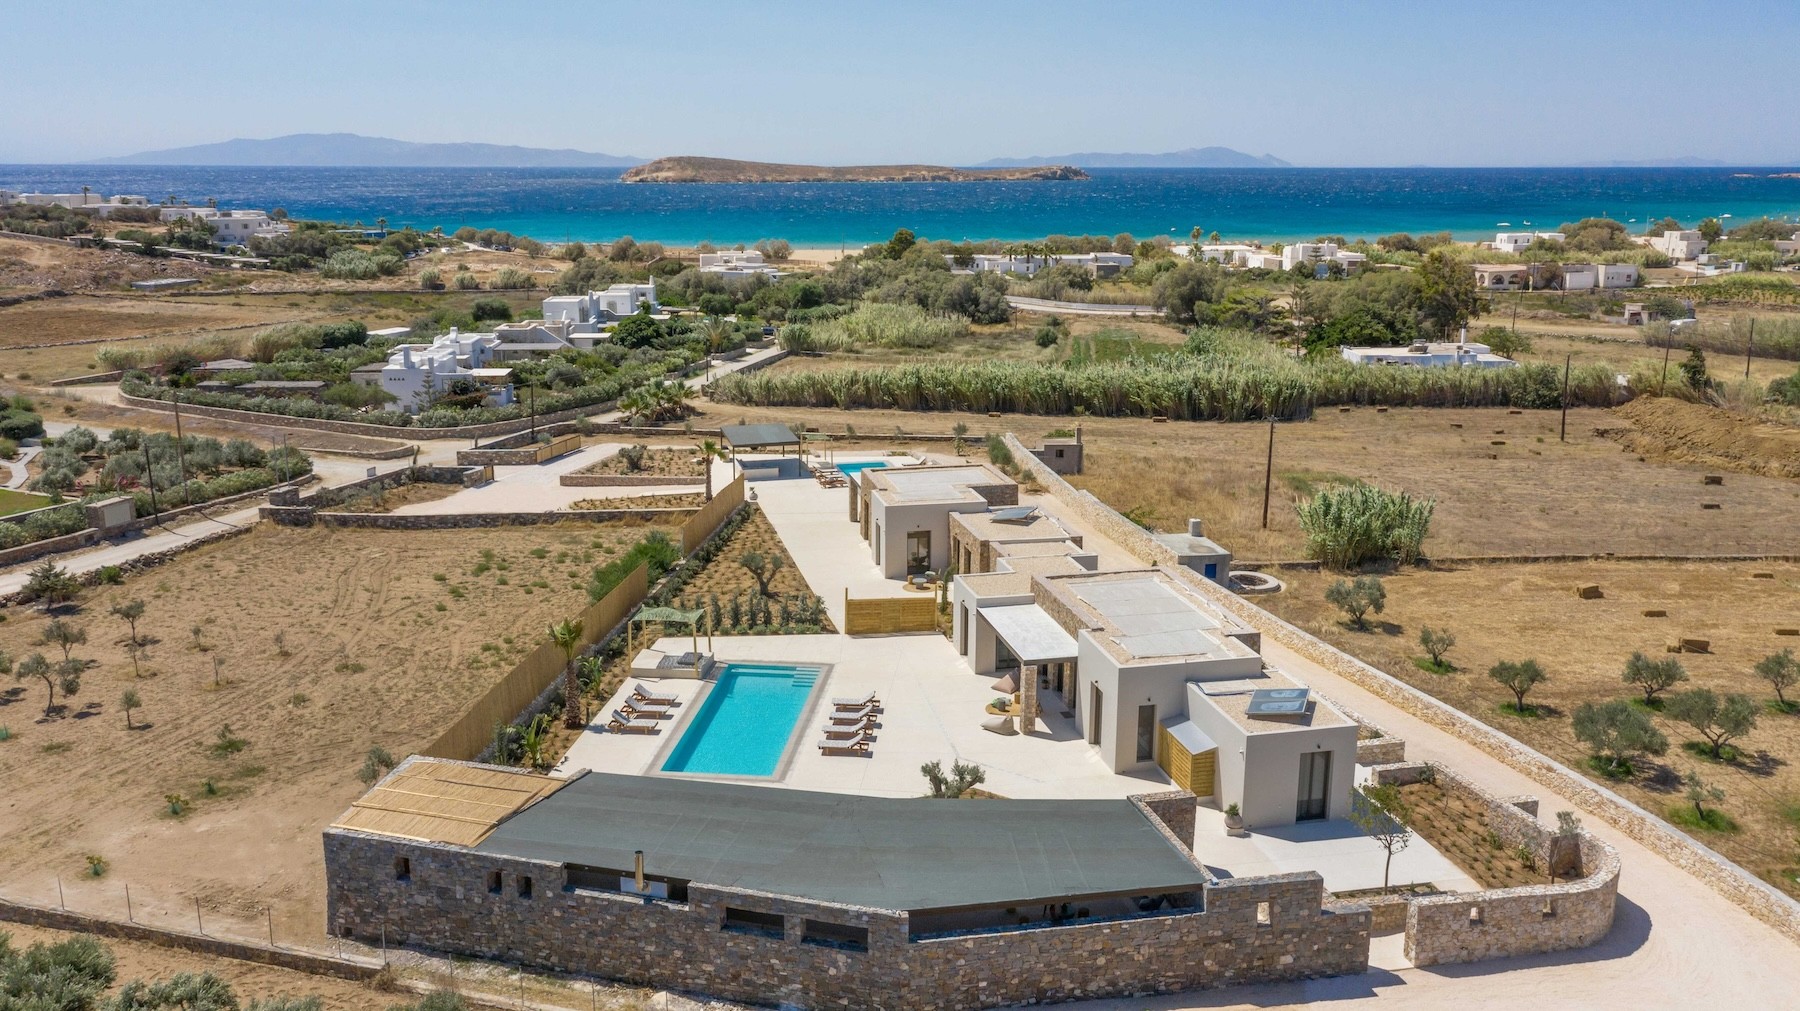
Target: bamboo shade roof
point(445, 802)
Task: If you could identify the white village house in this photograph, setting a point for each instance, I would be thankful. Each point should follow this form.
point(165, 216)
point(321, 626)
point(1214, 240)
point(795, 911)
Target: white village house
point(415, 374)
point(1518, 242)
point(594, 311)
point(1424, 354)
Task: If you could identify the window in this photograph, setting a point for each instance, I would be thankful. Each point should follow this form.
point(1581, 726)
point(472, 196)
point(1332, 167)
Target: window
point(835, 935)
point(524, 886)
point(918, 552)
point(402, 869)
point(751, 921)
point(493, 882)
point(1095, 705)
point(1474, 916)
point(1146, 734)
point(1265, 914)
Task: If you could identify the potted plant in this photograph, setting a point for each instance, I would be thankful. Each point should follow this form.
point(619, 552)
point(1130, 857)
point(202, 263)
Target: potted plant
point(1233, 820)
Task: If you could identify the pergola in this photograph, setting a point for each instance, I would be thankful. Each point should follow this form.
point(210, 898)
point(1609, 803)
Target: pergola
point(762, 436)
point(671, 616)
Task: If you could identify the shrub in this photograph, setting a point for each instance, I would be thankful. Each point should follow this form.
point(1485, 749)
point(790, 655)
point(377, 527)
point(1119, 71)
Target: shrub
point(466, 281)
point(1616, 730)
point(1346, 526)
point(356, 265)
point(511, 277)
point(656, 550)
point(431, 279)
point(1357, 598)
point(1436, 642)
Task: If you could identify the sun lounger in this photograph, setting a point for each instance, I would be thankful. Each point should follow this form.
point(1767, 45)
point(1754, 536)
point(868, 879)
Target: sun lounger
point(858, 745)
point(647, 710)
point(849, 717)
point(628, 723)
point(640, 693)
point(850, 733)
point(868, 701)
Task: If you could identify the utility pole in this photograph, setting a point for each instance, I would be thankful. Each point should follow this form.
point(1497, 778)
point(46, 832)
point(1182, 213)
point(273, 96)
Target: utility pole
point(1749, 346)
point(533, 391)
point(180, 461)
point(150, 479)
point(1568, 359)
point(1268, 474)
point(1664, 385)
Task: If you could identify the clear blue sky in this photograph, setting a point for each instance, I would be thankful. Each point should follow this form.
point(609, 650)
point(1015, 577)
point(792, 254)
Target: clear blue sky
point(1348, 83)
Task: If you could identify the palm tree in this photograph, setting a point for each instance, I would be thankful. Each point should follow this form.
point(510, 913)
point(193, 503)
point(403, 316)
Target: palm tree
point(710, 451)
point(715, 332)
point(567, 636)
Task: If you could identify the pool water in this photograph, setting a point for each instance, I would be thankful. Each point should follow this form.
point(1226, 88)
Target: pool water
point(743, 726)
point(852, 468)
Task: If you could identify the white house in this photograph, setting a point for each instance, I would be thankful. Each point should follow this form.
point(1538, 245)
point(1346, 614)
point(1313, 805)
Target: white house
point(1517, 242)
point(1098, 264)
point(590, 313)
point(905, 511)
point(1320, 254)
point(1579, 276)
point(1710, 265)
point(1426, 355)
point(231, 227)
point(1502, 276)
point(417, 373)
point(1682, 245)
point(1618, 275)
point(737, 263)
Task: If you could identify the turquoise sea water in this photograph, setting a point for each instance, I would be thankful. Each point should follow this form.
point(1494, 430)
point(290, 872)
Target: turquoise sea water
point(591, 204)
point(744, 725)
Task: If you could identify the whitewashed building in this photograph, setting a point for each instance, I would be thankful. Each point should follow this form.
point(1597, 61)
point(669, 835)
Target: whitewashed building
point(1424, 354)
point(1518, 242)
point(415, 374)
point(594, 311)
point(1683, 245)
point(737, 263)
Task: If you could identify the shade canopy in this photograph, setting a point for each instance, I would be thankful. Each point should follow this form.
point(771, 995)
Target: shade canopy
point(758, 436)
point(1032, 635)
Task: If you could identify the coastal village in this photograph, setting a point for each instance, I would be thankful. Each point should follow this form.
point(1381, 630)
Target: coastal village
point(464, 576)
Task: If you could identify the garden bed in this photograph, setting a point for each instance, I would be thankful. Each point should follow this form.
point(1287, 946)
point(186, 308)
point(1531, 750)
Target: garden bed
point(1457, 827)
point(677, 500)
point(678, 462)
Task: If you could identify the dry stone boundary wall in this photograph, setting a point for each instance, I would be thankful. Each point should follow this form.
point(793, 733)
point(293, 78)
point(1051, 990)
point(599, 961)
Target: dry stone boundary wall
point(1728, 879)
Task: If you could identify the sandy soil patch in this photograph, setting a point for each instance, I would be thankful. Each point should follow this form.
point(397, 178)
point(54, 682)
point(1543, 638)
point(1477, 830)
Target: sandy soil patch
point(388, 635)
point(1518, 612)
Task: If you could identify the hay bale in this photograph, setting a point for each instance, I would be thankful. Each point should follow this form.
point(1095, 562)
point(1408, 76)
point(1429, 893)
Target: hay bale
point(993, 414)
point(1710, 505)
point(1589, 591)
point(1343, 410)
point(1695, 645)
point(1713, 479)
point(1762, 575)
point(1159, 419)
point(1381, 410)
point(1787, 631)
point(1498, 442)
point(1515, 411)
point(1456, 424)
point(1656, 612)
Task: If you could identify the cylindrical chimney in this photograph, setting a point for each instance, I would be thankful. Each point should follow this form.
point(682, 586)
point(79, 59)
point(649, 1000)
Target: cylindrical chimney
point(1195, 527)
point(639, 854)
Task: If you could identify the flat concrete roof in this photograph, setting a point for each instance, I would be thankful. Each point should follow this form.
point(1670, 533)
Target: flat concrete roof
point(933, 484)
point(1148, 615)
point(1038, 526)
point(1032, 635)
point(878, 852)
point(1233, 699)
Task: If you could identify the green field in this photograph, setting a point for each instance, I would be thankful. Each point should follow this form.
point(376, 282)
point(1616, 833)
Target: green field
point(19, 501)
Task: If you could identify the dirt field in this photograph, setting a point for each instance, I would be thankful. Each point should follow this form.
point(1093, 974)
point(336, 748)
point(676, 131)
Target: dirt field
point(1518, 612)
point(388, 636)
point(1491, 499)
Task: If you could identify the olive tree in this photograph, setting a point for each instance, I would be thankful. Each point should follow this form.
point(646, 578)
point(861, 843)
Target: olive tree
point(1382, 815)
point(1518, 678)
point(1356, 598)
point(1616, 730)
point(1782, 671)
point(1718, 718)
point(1436, 642)
point(1653, 677)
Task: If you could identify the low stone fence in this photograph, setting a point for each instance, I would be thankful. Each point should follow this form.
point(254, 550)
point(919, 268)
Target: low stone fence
point(534, 453)
point(466, 521)
point(630, 480)
point(91, 536)
point(289, 509)
point(1728, 879)
point(147, 560)
point(364, 428)
point(1380, 751)
point(1505, 922)
point(81, 923)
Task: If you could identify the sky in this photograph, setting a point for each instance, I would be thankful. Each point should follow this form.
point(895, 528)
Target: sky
point(1352, 83)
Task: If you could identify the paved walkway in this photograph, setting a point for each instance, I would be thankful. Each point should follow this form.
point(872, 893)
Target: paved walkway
point(19, 474)
point(154, 539)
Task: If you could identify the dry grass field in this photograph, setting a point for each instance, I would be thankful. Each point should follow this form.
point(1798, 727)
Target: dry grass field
point(1518, 612)
point(384, 637)
point(1533, 495)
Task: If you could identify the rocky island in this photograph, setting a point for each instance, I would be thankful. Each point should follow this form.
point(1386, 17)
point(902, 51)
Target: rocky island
point(726, 170)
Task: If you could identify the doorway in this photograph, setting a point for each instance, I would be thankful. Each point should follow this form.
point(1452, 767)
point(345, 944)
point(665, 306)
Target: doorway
point(1095, 705)
point(918, 552)
point(1315, 786)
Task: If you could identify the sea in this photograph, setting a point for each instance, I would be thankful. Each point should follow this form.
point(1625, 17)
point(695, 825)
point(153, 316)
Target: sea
point(555, 205)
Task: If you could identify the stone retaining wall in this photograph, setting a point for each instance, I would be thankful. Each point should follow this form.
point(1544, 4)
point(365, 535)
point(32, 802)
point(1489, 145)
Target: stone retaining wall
point(364, 428)
point(1728, 879)
point(90, 537)
point(630, 480)
point(1380, 751)
point(461, 521)
point(1252, 930)
point(81, 923)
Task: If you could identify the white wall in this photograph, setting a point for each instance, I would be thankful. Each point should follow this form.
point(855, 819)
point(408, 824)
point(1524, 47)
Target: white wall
point(898, 520)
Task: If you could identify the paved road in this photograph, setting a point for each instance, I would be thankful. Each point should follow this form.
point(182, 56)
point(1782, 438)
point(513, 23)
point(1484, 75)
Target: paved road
point(1080, 308)
point(156, 539)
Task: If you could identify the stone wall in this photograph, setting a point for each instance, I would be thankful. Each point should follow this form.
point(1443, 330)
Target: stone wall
point(532, 453)
point(462, 521)
point(1728, 879)
point(1505, 922)
point(1173, 813)
point(630, 480)
point(90, 537)
point(61, 919)
point(364, 428)
point(1252, 930)
point(1380, 751)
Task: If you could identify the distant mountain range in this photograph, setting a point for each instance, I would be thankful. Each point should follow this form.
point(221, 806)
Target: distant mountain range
point(1193, 157)
point(1688, 161)
point(349, 149)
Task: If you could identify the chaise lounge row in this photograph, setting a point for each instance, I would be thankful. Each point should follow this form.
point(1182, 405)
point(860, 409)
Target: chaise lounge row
point(642, 712)
point(851, 728)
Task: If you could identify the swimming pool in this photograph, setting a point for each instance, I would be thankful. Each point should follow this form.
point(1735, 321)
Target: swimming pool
point(852, 468)
point(745, 723)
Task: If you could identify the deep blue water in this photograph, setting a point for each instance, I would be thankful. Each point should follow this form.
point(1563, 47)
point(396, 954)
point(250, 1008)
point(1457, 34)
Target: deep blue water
point(591, 204)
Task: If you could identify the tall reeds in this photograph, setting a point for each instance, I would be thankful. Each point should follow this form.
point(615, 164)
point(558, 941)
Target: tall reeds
point(1347, 525)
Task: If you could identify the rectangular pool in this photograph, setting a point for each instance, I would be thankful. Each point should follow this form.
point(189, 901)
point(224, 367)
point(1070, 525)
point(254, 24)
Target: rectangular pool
point(853, 468)
point(744, 725)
